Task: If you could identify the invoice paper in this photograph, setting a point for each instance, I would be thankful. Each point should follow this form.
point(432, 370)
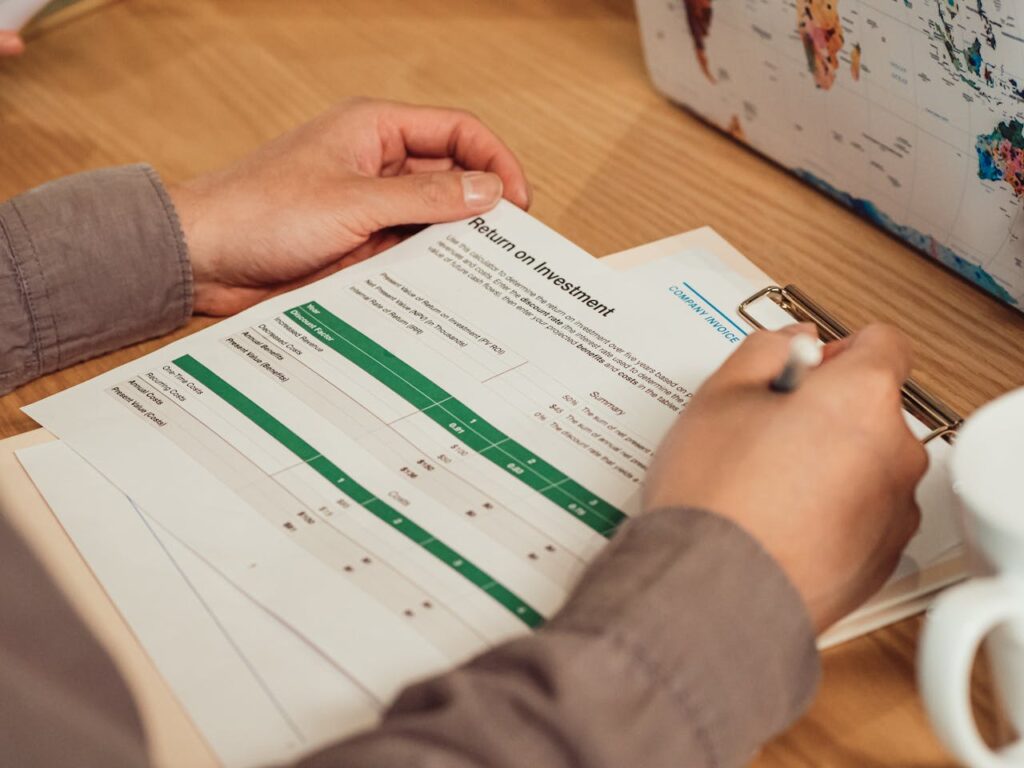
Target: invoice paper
point(934, 558)
point(413, 459)
point(680, 264)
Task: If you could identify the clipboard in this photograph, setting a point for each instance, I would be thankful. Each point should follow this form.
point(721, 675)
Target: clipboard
point(942, 421)
point(904, 596)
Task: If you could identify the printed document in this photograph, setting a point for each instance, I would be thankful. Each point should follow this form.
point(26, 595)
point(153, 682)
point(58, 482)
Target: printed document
point(412, 460)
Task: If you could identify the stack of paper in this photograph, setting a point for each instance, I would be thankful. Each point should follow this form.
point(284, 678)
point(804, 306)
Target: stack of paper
point(304, 508)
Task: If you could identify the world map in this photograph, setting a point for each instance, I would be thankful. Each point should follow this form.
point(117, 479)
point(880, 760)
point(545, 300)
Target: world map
point(910, 112)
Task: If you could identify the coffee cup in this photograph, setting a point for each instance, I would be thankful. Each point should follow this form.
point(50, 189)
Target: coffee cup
point(987, 470)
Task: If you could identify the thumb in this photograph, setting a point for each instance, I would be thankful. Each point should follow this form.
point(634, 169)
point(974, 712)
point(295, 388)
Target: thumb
point(428, 198)
point(876, 347)
point(762, 355)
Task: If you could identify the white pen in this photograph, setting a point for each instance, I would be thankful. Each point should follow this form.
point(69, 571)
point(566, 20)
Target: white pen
point(804, 353)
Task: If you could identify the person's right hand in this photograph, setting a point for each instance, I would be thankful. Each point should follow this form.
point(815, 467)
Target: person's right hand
point(822, 477)
point(334, 191)
point(11, 43)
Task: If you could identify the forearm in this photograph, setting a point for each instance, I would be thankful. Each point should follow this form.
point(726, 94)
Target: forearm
point(683, 645)
point(88, 264)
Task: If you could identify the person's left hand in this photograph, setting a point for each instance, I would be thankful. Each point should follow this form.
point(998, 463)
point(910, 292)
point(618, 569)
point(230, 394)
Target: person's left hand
point(332, 192)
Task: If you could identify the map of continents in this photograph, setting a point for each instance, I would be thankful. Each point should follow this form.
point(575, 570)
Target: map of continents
point(911, 112)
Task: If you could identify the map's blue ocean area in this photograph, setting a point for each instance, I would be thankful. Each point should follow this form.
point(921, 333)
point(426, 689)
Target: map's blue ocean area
point(922, 242)
point(987, 169)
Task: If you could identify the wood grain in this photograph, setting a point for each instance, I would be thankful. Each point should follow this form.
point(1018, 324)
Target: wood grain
point(189, 86)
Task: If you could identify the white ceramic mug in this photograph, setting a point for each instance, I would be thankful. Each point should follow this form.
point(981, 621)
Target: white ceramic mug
point(988, 478)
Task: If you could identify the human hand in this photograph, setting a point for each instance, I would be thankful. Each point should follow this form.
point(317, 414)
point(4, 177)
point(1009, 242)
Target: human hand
point(11, 43)
point(332, 192)
point(823, 477)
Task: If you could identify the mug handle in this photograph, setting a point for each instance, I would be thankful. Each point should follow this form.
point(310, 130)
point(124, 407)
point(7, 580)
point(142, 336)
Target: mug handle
point(956, 624)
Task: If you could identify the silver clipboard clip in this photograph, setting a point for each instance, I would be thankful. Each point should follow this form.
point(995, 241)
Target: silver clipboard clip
point(942, 420)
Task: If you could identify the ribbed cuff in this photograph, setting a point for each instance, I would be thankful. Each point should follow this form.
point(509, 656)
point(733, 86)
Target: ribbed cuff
point(89, 263)
point(713, 618)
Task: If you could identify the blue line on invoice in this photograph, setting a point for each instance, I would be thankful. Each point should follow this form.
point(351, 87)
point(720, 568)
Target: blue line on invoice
point(702, 298)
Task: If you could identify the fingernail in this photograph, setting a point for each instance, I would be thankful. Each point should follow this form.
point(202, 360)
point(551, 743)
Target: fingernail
point(481, 190)
point(797, 328)
point(10, 44)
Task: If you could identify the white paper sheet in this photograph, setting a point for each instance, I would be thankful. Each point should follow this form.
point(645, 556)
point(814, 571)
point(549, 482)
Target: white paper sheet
point(257, 691)
point(14, 14)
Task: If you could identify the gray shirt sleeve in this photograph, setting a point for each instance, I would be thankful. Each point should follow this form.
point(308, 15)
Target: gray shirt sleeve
point(684, 644)
point(88, 263)
point(62, 700)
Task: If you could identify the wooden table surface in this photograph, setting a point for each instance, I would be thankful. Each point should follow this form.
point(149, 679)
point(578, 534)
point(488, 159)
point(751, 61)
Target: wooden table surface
point(188, 86)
